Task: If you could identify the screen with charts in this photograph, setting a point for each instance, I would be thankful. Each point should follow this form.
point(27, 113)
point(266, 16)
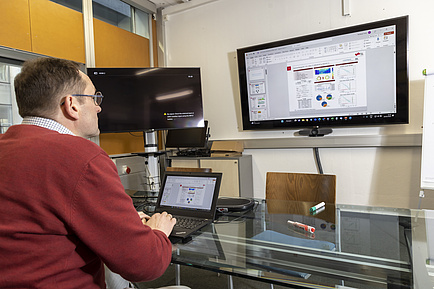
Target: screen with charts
point(354, 75)
point(188, 192)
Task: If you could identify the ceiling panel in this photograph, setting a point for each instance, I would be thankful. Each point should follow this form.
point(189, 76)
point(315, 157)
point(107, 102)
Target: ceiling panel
point(165, 3)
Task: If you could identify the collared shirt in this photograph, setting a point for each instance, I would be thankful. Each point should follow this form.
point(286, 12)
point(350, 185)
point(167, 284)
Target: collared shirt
point(46, 123)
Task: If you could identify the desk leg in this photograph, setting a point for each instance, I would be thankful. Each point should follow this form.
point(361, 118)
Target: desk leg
point(230, 282)
point(178, 274)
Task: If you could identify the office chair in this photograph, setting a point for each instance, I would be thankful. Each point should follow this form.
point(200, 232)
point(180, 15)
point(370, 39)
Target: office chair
point(308, 188)
point(301, 187)
point(311, 189)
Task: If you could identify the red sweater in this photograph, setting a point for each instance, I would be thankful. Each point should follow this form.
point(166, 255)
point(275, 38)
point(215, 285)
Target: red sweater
point(64, 211)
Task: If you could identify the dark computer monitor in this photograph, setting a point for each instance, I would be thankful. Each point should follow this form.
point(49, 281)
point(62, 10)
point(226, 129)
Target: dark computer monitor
point(143, 99)
point(195, 137)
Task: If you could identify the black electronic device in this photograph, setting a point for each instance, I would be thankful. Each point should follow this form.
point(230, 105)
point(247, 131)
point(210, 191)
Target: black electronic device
point(196, 153)
point(143, 99)
point(189, 196)
point(194, 137)
point(353, 76)
point(226, 204)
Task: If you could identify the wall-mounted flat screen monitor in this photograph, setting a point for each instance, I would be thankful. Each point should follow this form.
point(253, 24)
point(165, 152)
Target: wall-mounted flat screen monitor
point(143, 99)
point(353, 76)
point(194, 137)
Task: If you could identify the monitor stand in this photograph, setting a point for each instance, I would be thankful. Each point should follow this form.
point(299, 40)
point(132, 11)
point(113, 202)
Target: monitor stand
point(315, 131)
point(152, 161)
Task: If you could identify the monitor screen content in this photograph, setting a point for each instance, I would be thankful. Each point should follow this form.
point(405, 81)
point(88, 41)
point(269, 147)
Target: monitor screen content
point(351, 76)
point(142, 99)
point(188, 192)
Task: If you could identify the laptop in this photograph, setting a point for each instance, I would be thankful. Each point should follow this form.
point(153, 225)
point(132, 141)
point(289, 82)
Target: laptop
point(191, 197)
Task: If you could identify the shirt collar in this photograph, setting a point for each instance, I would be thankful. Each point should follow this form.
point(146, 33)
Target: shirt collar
point(46, 123)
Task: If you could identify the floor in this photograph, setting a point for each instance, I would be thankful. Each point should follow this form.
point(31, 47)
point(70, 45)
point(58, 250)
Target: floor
point(198, 279)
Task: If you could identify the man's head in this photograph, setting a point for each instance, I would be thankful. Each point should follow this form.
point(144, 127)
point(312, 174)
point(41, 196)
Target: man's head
point(43, 83)
point(45, 87)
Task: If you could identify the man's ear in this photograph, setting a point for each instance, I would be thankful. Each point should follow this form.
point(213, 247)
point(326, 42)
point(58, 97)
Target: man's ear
point(71, 107)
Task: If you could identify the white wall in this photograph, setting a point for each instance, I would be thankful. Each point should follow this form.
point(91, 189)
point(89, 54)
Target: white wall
point(208, 36)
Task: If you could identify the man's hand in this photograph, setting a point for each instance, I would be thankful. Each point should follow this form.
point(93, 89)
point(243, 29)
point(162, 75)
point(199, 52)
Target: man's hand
point(143, 217)
point(163, 222)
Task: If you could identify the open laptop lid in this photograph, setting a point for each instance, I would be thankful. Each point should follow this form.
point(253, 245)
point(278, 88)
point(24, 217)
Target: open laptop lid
point(190, 194)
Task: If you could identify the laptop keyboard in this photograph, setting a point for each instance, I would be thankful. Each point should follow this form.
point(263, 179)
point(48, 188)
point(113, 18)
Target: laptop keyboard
point(188, 223)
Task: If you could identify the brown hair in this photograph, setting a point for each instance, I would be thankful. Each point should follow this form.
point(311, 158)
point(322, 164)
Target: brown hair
point(43, 82)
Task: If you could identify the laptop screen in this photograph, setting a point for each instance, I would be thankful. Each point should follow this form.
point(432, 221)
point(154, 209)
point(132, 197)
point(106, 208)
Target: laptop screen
point(189, 191)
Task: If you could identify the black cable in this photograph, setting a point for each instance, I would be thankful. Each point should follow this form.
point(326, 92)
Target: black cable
point(318, 161)
point(135, 135)
point(167, 161)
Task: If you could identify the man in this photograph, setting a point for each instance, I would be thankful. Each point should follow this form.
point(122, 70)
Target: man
point(63, 209)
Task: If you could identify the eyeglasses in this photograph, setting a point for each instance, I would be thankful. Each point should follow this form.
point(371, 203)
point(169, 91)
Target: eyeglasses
point(97, 97)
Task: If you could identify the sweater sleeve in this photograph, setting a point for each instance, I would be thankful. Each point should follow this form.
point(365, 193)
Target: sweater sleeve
point(104, 219)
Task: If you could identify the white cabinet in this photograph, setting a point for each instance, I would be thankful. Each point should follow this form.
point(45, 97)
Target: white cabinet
point(237, 178)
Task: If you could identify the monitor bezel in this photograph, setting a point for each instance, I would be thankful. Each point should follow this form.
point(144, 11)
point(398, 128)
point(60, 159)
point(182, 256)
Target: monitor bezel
point(402, 80)
point(196, 121)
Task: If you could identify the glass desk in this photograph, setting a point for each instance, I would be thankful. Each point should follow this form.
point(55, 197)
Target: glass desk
point(352, 247)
